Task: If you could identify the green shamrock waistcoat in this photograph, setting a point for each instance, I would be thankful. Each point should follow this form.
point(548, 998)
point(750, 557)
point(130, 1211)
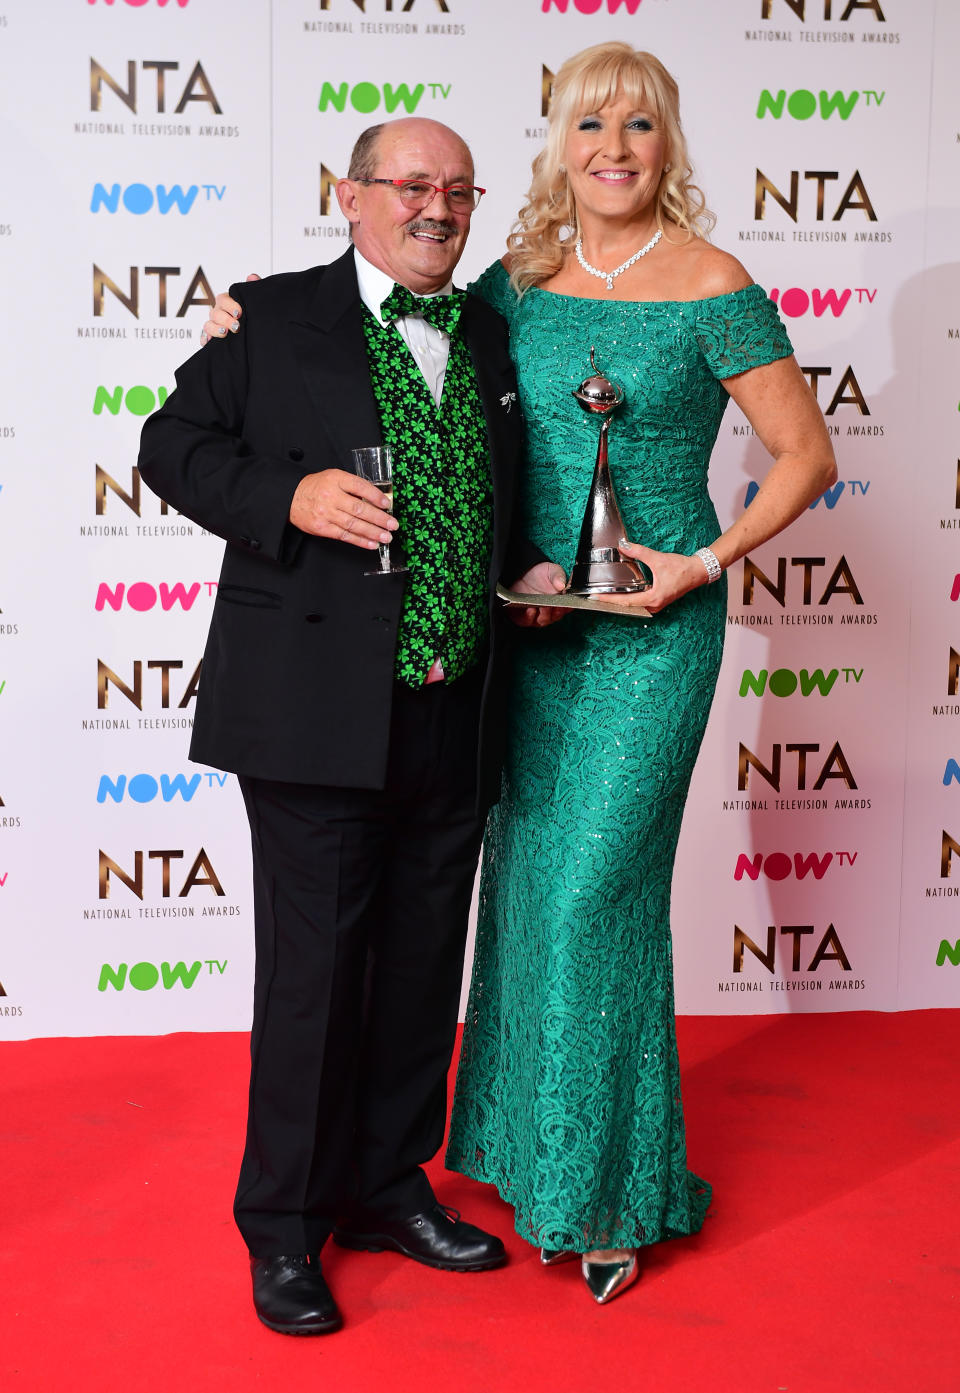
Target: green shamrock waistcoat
point(443, 501)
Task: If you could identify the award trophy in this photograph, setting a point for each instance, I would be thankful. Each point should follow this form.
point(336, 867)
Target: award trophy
point(599, 569)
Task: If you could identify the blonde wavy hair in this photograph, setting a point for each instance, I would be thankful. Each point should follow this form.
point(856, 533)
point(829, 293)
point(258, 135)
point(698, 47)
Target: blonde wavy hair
point(585, 83)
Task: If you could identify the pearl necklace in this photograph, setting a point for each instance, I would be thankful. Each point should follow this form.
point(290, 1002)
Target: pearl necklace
point(610, 276)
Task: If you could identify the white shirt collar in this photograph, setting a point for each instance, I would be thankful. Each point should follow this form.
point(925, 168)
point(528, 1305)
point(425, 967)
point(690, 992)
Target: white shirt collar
point(375, 285)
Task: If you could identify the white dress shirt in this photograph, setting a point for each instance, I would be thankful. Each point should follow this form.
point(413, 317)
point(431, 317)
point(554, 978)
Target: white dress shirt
point(430, 346)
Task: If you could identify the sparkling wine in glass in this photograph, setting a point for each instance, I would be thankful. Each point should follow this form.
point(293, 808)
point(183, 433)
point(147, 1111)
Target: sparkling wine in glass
point(375, 462)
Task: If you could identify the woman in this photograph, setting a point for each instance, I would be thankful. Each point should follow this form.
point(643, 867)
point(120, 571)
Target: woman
point(568, 1096)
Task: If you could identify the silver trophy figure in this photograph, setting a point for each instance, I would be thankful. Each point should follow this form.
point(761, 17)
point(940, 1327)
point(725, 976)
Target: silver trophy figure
point(600, 568)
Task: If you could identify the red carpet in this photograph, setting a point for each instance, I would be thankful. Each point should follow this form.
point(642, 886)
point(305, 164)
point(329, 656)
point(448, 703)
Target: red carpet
point(830, 1260)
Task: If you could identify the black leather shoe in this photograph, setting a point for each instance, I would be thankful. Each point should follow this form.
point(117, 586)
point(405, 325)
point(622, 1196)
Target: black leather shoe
point(291, 1297)
point(438, 1238)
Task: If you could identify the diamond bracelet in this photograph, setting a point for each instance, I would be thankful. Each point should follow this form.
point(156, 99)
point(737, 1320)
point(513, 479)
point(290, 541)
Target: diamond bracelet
point(714, 569)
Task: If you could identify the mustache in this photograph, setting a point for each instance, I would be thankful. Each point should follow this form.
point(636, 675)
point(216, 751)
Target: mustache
point(439, 229)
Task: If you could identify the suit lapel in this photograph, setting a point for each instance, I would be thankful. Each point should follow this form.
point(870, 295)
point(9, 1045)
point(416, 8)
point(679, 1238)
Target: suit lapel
point(332, 357)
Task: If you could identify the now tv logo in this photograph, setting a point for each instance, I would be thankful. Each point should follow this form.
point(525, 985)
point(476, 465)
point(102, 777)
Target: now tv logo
point(141, 595)
point(144, 788)
point(139, 401)
point(140, 198)
point(591, 7)
point(366, 96)
point(796, 301)
point(143, 977)
point(784, 682)
point(802, 104)
point(830, 497)
point(778, 865)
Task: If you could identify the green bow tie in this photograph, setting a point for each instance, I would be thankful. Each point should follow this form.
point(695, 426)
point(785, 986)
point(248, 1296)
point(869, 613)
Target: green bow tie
point(442, 311)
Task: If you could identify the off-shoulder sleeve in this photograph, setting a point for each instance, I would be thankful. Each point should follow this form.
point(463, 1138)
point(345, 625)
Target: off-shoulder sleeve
point(494, 287)
point(740, 331)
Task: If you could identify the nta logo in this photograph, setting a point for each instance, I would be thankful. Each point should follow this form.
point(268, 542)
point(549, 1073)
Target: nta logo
point(848, 393)
point(402, 6)
point(829, 947)
point(546, 90)
point(106, 483)
point(802, 104)
point(199, 291)
point(366, 96)
point(835, 766)
point(145, 976)
point(778, 865)
point(328, 198)
point(799, 8)
point(133, 691)
point(140, 198)
point(849, 199)
point(948, 849)
point(196, 89)
point(201, 873)
point(141, 595)
point(784, 682)
point(840, 582)
point(955, 588)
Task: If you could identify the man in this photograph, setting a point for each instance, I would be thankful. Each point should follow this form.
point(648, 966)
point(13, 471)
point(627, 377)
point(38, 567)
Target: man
point(363, 713)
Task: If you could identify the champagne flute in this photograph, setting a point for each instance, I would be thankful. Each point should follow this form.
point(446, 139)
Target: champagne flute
point(375, 462)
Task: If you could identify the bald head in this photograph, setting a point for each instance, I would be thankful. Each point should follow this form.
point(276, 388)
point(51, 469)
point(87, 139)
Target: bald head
point(418, 248)
point(365, 153)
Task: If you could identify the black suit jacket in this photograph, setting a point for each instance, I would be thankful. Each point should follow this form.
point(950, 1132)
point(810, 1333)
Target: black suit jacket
point(297, 673)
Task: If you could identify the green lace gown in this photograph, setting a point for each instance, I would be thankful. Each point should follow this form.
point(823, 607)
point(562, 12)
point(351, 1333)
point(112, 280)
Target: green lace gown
point(568, 1092)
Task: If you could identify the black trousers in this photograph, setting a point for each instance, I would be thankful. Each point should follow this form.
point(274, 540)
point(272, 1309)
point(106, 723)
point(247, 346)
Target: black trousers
point(361, 901)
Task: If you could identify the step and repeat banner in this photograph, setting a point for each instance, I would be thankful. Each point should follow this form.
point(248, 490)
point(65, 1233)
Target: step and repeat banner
point(156, 150)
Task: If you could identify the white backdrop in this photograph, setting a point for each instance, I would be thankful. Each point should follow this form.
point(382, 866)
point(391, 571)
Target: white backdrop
point(156, 150)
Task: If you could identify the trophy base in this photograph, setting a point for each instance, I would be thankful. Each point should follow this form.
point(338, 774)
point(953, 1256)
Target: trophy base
point(565, 599)
point(603, 571)
point(588, 590)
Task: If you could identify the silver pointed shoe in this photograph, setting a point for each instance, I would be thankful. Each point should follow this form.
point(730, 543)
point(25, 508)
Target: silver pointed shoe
point(550, 1257)
point(605, 1280)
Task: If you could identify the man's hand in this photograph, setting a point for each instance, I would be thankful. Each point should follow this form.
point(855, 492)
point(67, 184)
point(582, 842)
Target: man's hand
point(337, 504)
point(540, 579)
point(225, 318)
